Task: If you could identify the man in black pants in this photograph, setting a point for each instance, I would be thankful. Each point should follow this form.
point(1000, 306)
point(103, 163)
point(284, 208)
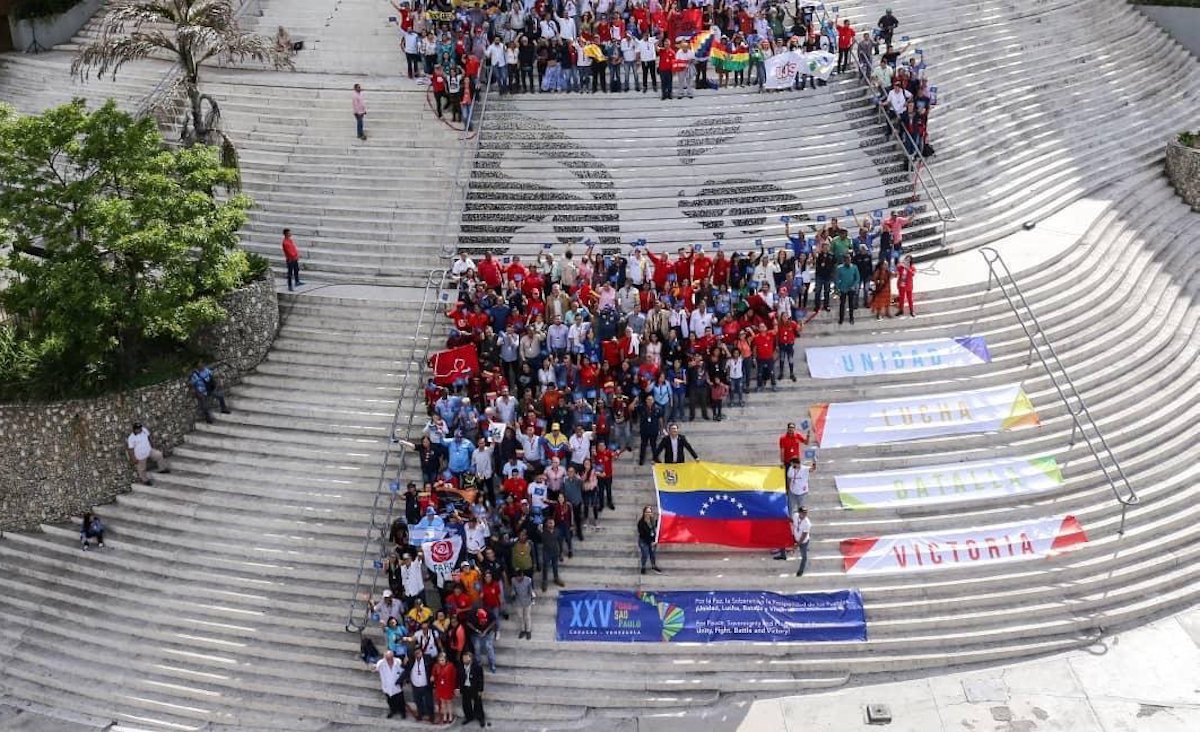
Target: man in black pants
point(824, 267)
point(391, 679)
point(471, 684)
point(649, 425)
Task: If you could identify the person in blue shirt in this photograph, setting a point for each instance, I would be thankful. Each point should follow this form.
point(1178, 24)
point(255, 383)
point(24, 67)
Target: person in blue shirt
point(431, 527)
point(460, 450)
point(205, 388)
point(798, 243)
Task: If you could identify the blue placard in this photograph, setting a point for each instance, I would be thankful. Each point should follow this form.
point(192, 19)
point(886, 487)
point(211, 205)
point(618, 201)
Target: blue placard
point(378, 564)
point(758, 243)
point(878, 213)
point(506, 260)
point(548, 245)
point(810, 454)
point(706, 617)
point(850, 212)
point(805, 424)
point(641, 242)
point(820, 217)
point(394, 486)
point(770, 251)
point(716, 245)
point(785, 219)
point(697, 247)
point(904, 39)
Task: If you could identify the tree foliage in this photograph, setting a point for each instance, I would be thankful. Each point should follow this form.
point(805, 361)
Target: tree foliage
point(191, 31)
point(119, 247)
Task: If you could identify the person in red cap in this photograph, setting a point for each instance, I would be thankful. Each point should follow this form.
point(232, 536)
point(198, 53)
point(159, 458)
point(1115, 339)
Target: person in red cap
point(483, 626)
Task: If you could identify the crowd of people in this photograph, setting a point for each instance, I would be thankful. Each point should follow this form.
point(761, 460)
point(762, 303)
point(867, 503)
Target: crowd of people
point(609, 46)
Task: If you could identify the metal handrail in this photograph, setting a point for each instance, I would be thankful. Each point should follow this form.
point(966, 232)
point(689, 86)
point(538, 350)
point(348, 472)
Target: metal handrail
point(448, 248)
point(1081, 417)
point(917, 155)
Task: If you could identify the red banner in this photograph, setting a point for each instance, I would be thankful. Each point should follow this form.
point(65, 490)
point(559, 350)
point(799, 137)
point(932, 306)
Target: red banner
point(455, 364)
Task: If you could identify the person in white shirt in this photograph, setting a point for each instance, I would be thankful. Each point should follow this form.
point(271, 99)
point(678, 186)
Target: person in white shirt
point(391, 671)
point(412, 577)
point(797, 482)
point(648, 55)
point(481, 464)
point(580, 444)
point(700, 318)
point(897, 99)
point(801, 528)
point(462, 266)
point(389, 607)
point(139, 449)
point(539, 493)
point(499, 64)
point(566, 27)
point(477, 534)
point(685, 79)
point(629, 57)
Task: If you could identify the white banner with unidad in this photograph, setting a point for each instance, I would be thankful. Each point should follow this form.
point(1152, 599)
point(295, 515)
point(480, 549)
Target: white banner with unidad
point(782, 68)
point(918, 552)
point(870, 359)
point(440, 555)
point(953, 482)
point(877, 422)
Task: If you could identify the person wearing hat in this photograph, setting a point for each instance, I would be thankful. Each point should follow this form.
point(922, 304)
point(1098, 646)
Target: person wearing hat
point(389, 607)
point(557, 445)
point(483, 628)
point(140, 449)
point(430, 528)
point(801, 529)
point(685, 70)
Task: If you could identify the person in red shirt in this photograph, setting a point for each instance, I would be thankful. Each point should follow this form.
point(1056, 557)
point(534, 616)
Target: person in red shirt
point(791, 445)
point(489, 271)
point(701, 267)
point(516, 272)
point(602, 461)
point(666, 72)
point(845, 43)
point(437, 83)
point(471, 68)
point(764, 355)
point(291, 258)
point(720, 269)
point(516, 489)
point(445, 683)
point(787, 329)
point(683, 266)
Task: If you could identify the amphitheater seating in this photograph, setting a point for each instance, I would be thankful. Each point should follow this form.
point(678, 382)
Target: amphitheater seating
point(223, 598)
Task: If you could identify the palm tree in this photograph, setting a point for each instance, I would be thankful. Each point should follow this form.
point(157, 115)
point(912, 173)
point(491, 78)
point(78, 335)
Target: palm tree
point(193, 32)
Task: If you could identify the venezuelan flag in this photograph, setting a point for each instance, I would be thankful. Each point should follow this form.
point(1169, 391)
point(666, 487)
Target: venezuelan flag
point(715, 503)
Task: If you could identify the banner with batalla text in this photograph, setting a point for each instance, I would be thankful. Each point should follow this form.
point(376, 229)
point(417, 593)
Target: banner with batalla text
point(712, 616)
point(929, 484)
point(923, 551)
point(870, 359)
point(881, 421)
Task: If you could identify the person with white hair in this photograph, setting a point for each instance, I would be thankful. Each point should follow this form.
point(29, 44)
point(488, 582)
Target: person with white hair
point(391, 681)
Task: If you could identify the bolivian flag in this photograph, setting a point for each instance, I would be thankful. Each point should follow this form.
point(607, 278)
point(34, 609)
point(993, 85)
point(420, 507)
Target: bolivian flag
point(726, 58)
point(714, 503)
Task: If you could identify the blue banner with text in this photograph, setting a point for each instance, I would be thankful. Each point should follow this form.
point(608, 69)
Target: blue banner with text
point(706, 617)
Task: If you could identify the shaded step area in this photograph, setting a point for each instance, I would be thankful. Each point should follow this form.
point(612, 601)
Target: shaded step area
point(616, 168)
point(230, 578)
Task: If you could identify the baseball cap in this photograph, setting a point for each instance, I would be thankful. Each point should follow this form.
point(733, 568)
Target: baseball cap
point(387, 593)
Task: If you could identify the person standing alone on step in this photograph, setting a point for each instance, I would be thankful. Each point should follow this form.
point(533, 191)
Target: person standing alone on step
point(291, 258)
point(359, 103)
point(801, 528)
point(647, 530)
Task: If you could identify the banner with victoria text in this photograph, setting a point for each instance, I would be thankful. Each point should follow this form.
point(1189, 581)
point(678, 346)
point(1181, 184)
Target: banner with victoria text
point(877, 422)
point(921, 551)
point(930, 484)
point(712, 616)
point(870, 359)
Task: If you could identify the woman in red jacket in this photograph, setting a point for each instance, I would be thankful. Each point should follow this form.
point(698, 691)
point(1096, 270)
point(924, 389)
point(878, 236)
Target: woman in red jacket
point(904, 286)
point(445, 683)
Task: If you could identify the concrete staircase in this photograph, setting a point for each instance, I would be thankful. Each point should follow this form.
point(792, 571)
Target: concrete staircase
point(1031, 98)
point(615, 168)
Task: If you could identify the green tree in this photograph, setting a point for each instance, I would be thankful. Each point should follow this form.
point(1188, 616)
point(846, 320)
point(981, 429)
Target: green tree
point(120, 248)
point(190, 31)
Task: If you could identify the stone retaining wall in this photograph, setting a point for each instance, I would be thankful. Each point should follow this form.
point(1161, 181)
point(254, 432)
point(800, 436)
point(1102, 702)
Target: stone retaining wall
point(1183, 170)
point(60, 459)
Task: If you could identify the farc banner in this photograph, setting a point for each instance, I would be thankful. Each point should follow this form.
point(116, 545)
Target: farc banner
point(931, 484)
point(869, 359)
point(705, 617)
point(440, 555)
point(782, 68)
point(920, 551)
point(913, 418)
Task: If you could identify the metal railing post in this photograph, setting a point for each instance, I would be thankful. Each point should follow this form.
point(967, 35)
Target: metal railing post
point(1082, 422)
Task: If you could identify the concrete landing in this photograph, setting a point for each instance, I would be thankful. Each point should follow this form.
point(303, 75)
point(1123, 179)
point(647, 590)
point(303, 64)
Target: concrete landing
point(1045, 242)
point(1143, 680)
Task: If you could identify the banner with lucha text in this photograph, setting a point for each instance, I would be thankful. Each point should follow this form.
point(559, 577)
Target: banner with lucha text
point(881, 421)
point(924, 551)
point(709, 616)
